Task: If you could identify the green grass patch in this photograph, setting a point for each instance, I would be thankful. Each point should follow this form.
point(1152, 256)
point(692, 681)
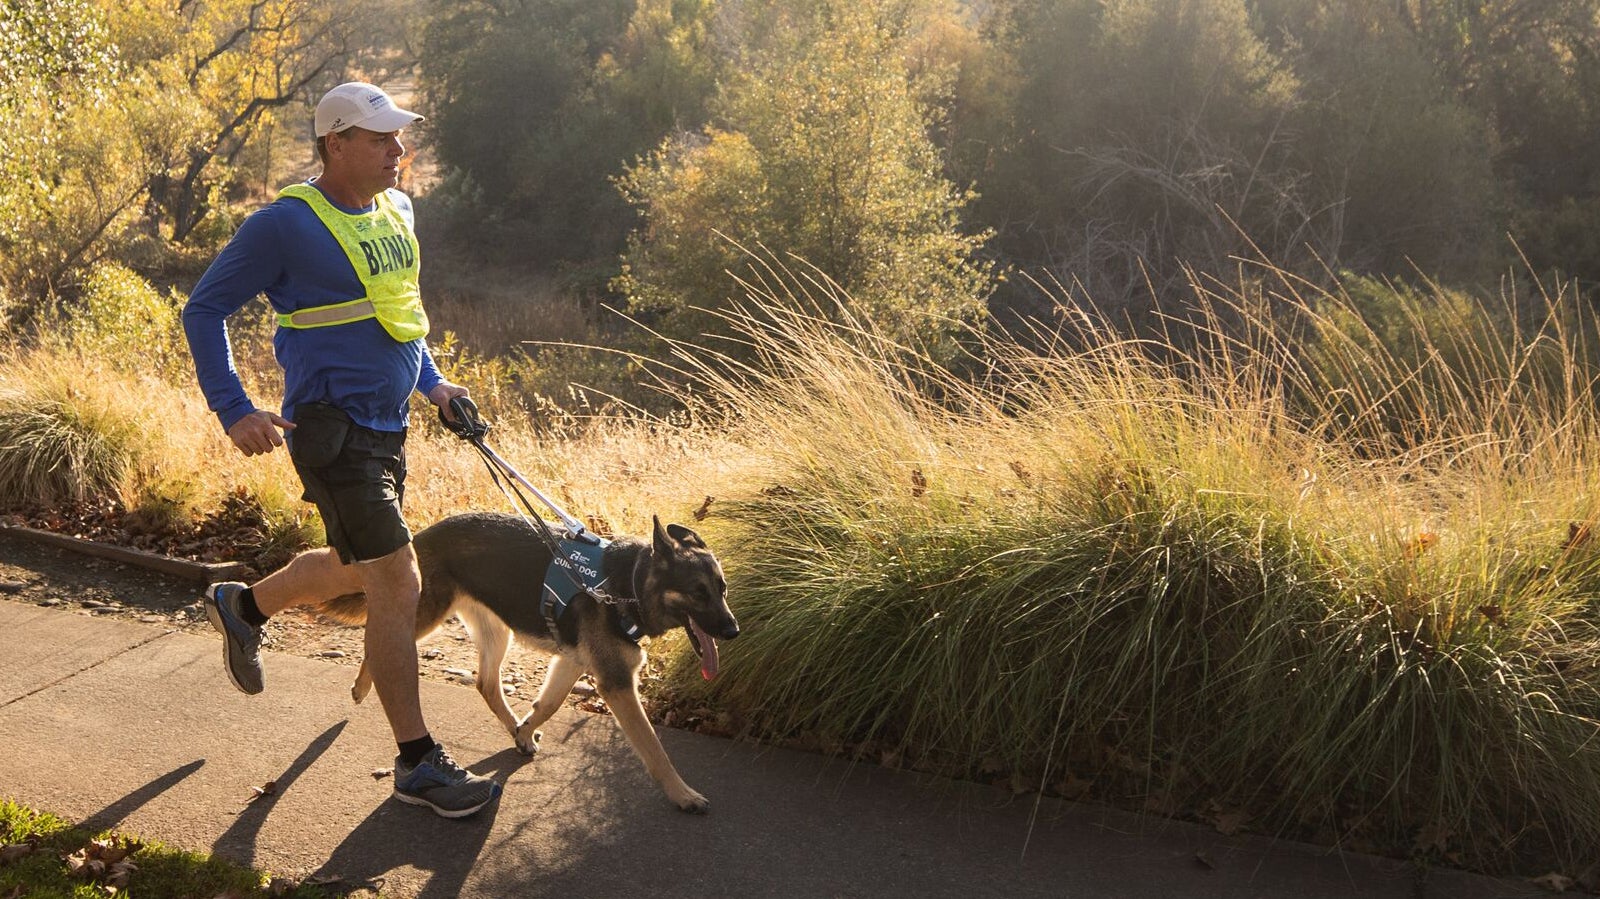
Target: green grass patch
point(44, 857)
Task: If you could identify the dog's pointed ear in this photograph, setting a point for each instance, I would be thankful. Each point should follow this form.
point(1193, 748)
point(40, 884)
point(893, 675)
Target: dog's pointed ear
point(683, 535)
point(663, 543)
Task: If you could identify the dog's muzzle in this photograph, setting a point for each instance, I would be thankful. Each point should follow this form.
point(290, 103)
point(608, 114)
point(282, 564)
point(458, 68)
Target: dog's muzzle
point(705, 645)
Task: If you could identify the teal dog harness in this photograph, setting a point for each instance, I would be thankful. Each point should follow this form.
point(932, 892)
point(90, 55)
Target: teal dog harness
point(574, 571)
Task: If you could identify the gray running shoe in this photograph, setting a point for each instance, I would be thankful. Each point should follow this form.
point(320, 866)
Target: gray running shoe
point(442, 785)
point(241, 643)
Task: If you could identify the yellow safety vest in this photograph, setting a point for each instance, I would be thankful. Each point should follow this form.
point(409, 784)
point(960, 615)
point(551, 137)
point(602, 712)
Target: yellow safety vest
point(386, 257)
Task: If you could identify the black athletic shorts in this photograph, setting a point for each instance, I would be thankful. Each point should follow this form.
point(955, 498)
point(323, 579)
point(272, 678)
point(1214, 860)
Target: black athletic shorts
point(356, 477)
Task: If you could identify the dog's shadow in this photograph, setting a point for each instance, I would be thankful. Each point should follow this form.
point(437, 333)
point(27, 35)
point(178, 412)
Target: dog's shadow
point(600, 825)
point(402, 836)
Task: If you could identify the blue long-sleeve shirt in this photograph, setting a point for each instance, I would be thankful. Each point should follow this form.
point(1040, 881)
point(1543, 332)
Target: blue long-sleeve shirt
point(284, 251)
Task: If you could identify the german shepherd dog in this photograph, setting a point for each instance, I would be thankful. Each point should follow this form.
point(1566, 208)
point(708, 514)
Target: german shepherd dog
point(490, 569)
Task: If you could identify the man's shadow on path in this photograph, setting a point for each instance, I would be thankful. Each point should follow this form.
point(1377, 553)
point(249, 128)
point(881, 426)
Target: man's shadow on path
point(114, 814)
point(238, 842)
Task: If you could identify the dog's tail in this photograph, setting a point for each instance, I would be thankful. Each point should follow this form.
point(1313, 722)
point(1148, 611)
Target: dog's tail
point(350, 608)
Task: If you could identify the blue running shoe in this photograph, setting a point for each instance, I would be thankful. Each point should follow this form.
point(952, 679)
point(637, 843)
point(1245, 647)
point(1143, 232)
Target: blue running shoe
point(241, 643)
point(442, 785)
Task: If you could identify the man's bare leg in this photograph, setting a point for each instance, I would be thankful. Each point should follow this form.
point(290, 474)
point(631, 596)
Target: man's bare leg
point(314, 576)
point(393, 585)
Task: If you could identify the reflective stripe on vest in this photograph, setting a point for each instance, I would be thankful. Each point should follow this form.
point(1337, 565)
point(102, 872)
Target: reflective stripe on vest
point(384, 254)
point(336, 314)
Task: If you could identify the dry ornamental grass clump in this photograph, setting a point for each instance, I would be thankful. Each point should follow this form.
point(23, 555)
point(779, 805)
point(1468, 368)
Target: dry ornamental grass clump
point(1100, 574)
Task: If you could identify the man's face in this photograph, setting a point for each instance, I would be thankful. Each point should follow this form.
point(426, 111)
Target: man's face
point(370, 160)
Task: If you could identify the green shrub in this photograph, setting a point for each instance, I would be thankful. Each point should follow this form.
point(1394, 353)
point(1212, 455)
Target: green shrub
point(121, 318)
point(824, 155)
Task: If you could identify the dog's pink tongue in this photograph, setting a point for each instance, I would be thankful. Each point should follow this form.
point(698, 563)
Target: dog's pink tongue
point(708, 652)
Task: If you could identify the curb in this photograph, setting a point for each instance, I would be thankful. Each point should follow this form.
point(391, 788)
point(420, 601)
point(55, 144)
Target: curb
point(203, 572)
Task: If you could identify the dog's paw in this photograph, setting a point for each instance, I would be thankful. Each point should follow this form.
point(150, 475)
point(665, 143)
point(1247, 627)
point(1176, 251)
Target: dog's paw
point(693, 803)
point(528, 744)
point(362, 685)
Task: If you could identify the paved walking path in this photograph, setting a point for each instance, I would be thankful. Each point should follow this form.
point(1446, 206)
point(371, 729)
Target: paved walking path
point(129, 725)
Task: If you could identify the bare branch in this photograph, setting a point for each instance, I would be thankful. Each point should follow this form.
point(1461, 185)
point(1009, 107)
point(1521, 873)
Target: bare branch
point(228, 43)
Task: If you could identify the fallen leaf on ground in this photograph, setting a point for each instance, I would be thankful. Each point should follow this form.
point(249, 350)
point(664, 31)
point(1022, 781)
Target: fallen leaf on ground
point(118, 875)
point(79, 865)
point(104, 858)
point(114, 853)
point(1555, 883)
point(15, 851)
point(270, 788)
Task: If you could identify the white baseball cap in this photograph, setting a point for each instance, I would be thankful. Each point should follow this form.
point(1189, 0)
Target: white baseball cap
point(358, 103)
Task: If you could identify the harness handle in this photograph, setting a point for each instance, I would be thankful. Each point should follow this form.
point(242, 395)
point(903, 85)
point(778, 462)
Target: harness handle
point(469, 426)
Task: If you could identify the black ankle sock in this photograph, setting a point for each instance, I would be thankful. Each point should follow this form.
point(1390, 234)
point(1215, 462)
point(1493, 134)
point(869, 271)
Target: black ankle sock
point(412, 751)
point(249, 609)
